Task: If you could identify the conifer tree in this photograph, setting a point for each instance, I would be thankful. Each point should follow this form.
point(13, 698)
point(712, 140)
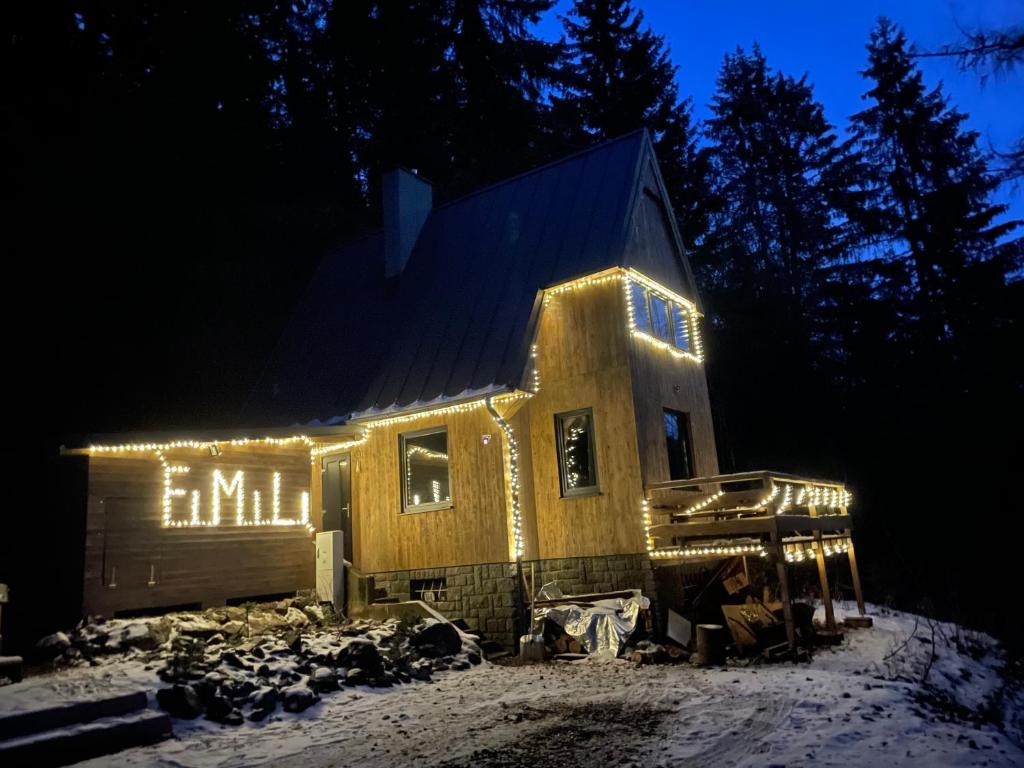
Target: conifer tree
point(931, 188)
point(618, 77)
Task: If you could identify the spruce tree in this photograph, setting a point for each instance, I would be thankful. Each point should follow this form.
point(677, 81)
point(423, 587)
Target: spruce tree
point(931, 188)
point(774, 264)
point(618, 77)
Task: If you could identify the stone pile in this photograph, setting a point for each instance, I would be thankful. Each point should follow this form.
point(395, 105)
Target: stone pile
point(230, 664)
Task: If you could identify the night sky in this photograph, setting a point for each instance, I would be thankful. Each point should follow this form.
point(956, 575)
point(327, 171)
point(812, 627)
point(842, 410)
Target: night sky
point(826, 38)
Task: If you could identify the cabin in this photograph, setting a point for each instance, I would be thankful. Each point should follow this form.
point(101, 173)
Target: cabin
point(511, 381)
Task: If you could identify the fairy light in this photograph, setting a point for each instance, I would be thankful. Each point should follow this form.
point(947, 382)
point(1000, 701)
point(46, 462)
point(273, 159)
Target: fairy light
point(235, 488)
point(704, 504)
point(801, 551)
point(513, 478)
point(257, 508)
point(718, 550)
point(645, 512)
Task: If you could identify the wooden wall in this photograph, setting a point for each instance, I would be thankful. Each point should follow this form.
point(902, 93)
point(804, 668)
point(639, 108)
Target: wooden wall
point(205, 565)
point(662, 381)
point(582, 356)
point(473, 530)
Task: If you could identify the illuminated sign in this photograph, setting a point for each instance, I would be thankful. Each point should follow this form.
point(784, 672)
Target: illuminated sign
point(185, 507)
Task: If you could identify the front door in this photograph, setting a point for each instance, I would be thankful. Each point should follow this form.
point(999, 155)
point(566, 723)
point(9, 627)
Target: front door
point(336, 476)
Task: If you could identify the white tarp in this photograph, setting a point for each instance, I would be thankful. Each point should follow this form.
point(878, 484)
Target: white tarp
point(604, 626)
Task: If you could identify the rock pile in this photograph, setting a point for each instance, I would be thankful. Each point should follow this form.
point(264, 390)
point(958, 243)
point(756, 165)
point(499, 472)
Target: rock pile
point(230, 664)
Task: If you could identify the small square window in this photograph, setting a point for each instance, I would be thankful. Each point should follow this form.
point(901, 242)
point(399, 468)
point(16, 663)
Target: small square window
point(424, 462)
point(681, 327)
point(638, 300)
point(577, 463)
point(660, 319)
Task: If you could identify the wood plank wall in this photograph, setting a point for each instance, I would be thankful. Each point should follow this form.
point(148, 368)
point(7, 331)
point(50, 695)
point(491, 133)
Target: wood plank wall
point(662, 381)
point(473, 530)
point(582, 356)
point(205, 565)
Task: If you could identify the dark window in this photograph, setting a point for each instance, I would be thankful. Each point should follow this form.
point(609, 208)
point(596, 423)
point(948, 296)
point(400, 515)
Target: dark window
point(660, 319)
point(681, 326)
point(425, 483)
point(638, 302)
point(577, 464)
point(429, 590)
point(677, 440)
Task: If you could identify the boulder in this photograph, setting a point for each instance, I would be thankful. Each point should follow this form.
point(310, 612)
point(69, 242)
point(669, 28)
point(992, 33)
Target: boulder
point(52, 646)
point(296, 618)
point(439, 634)
point(218, 708)
point(323, 679)
point(180, 701)
point(232, 628)
point(356, 676)
point(197, 626)
point(263, 703)
point(421, 670)
point(298, 698)
point(362, 654)
point(314, 613)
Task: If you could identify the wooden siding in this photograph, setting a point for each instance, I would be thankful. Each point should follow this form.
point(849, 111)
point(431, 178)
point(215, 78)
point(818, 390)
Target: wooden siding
point(582, 356)
point(205, 565)
point(473, 530)
point(662, 381)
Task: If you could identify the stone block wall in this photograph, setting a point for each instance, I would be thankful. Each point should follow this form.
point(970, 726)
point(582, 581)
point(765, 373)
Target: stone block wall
point(485, 596)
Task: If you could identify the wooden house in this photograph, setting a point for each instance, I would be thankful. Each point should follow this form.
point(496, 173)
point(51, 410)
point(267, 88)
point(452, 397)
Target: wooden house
point(514, 377)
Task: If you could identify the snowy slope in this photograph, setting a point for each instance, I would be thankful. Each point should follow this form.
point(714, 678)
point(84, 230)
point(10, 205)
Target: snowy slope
point(849, 706)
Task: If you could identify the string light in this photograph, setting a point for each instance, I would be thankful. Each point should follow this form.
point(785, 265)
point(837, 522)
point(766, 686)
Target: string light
point(513, 478)
point(712, 551)
point(707, 502)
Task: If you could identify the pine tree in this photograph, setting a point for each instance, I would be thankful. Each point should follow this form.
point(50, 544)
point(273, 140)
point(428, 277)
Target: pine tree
point(618, 77)
point(931, 187)
point(775, 262)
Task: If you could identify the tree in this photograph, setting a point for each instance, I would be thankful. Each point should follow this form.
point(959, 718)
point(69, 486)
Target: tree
point(775, 261)
point(931, 187)
point(618, 77)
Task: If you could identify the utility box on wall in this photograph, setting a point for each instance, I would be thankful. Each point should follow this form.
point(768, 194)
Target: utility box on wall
point(330, 568)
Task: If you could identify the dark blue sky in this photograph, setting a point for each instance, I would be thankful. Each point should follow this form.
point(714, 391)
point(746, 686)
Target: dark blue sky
point(826, 38)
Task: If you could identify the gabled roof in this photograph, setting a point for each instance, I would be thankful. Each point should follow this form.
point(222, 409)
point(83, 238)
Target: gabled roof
point(459, 321)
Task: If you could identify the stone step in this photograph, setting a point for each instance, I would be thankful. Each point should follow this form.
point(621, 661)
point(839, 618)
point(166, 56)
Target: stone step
point(82, 741)
point(27, 722)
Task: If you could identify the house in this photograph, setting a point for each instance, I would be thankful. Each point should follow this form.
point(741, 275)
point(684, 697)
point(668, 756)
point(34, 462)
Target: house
point(512, 378)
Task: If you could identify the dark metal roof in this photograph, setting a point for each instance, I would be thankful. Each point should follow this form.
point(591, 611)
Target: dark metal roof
point(459, 319)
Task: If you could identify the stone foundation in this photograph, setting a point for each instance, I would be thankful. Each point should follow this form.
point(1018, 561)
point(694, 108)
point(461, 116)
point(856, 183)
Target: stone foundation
point(486, 596)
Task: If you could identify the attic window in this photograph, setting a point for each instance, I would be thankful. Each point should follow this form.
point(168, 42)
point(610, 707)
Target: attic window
point(426, 484)
point(663, 320)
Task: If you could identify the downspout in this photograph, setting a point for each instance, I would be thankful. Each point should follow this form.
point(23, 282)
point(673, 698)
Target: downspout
point(513, 473)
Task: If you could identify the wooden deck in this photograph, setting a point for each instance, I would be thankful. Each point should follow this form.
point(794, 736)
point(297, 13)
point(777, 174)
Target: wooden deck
point(785, 518)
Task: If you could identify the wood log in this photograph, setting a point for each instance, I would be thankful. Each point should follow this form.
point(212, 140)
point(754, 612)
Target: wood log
point(710, 644)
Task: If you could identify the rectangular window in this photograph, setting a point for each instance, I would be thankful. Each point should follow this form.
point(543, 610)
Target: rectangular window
point(425, 480)
point(638, 299)
point(577, 463)
point(681, 327)
point(677, 440)
point(660, 320)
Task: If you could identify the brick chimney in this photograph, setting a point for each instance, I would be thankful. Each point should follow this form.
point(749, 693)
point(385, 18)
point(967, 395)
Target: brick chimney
point(407, 203)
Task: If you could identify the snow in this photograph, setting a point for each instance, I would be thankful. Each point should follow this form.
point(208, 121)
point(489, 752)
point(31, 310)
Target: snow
point(850, 705)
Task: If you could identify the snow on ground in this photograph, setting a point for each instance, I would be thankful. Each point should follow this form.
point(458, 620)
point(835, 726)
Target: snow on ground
point(849, 706)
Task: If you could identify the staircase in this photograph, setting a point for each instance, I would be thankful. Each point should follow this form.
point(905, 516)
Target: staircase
point(74, 731)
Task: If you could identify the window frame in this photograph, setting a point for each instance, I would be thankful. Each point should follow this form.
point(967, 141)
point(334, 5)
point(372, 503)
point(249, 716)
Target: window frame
point(685, 434)
point(670, 328)
point(588, 490)
point(431, 506)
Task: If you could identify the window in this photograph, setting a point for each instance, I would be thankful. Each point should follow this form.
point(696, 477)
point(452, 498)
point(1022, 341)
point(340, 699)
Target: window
point(681, 323)
point(425, 482)
point(638, 298)
point(577, 465)
point(660, 320)
point(656, 315)
point(677, 440)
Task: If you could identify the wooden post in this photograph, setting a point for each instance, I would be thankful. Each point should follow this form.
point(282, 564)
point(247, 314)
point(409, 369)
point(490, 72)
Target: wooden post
point(787, 606)
point(826, 593)
point(855, 575)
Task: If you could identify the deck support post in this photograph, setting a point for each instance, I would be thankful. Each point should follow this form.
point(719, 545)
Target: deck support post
point(826, 593)
point(855, 575)
point(787, 605)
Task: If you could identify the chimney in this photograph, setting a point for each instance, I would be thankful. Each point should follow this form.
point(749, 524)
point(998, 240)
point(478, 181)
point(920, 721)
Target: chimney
point(407, 202)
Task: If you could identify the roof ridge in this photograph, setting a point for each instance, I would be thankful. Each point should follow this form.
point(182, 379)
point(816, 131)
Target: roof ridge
point(540, 168)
